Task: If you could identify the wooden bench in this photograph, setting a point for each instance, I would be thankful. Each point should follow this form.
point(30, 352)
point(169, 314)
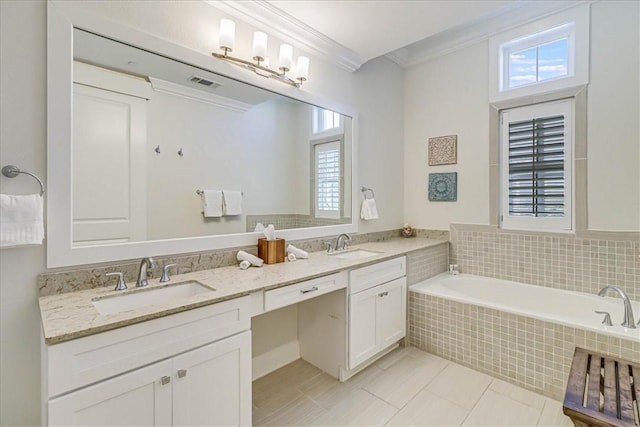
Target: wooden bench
point(602, 391)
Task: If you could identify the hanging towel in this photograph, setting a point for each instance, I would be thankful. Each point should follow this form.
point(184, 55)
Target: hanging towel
point(369, 210)
point(21, 220)
point(232, 202)
point(212, 203)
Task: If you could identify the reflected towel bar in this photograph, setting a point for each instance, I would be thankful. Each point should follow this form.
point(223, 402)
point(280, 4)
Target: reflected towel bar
point(200, 192)
point(11, 171)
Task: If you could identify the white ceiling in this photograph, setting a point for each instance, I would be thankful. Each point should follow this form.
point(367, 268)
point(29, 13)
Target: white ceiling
point(351, 32)
point(373, 28)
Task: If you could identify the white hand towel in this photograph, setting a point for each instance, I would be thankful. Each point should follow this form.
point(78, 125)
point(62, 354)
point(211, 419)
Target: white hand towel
point(232, 202)
point(21, 220)
point(244, 264)
point(212, 203)
point(254, 260)
point(299, 253)
point(369, 210)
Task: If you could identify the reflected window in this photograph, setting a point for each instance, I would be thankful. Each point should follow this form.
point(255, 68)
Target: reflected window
point(327, 177)
point(326, 121)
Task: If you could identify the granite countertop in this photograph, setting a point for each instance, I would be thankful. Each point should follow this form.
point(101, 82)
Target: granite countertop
point(72, 315)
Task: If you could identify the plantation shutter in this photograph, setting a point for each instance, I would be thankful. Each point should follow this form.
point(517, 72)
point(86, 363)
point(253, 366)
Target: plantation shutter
point(536, 167)
point(328, 179)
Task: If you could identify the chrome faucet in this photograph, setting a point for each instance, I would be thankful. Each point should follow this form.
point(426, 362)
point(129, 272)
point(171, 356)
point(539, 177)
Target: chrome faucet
point(344, 237)
point(628, 310)
point(145, 264)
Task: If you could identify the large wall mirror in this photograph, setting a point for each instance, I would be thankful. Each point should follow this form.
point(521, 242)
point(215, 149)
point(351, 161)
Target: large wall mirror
point(141, 127)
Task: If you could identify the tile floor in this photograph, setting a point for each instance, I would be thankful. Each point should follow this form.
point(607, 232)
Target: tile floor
point(406, 387)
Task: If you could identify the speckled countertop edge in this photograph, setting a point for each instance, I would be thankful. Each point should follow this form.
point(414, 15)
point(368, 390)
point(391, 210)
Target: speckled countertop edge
point(72, 315)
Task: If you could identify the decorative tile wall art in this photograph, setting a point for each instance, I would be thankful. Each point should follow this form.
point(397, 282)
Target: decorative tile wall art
point(443, 150)
point(443, 187)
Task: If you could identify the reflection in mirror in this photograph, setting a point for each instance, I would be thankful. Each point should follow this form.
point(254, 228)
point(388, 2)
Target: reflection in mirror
point(149, 132)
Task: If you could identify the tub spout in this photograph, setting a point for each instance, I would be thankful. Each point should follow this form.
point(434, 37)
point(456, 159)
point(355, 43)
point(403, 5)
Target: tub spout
point(628, 310)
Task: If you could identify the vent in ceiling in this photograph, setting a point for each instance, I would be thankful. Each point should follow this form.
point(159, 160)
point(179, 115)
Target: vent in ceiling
point(202, 81)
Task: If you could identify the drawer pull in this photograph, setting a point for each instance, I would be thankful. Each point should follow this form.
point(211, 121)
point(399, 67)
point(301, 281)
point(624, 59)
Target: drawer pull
point(165, 380)
point(182, 373)
point(383, 294)
point(306, 291)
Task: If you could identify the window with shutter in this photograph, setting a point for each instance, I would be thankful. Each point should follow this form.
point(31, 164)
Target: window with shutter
point(536, 165)
point(327, 179)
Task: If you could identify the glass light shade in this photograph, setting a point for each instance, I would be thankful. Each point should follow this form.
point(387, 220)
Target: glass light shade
point(259, 46)
point(227, 34)
point(286, 57)
point(302, 71)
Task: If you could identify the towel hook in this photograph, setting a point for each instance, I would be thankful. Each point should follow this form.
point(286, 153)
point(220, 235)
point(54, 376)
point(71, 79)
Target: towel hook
point(365, 189)
point(11, 171)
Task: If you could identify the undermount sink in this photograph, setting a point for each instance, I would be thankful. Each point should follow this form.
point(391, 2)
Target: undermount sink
point(355, 254)
point(150, 296)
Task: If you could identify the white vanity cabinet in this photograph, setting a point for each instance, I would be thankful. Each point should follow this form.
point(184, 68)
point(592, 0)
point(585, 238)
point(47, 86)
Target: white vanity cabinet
point(377, 308)
point(190, 368)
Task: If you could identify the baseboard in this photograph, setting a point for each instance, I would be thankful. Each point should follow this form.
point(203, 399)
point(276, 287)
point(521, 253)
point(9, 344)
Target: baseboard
point(276, 358)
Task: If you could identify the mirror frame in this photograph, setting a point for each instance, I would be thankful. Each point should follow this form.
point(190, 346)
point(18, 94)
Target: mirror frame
point(61, 19)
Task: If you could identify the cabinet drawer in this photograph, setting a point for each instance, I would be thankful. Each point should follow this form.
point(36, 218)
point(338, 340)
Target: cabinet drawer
point(302, 291)
point(376, 274)
point(76, 363)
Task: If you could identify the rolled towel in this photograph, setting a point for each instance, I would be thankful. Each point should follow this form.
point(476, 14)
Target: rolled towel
point(291, 257)
point(299, 253)
point(254, 260)
point(244, 264)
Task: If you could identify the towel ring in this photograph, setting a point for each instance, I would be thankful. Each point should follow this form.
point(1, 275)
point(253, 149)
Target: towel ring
point(11, 171)
point(365, 189)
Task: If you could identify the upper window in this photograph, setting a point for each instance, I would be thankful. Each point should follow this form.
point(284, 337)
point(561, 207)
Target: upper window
point(536, 166)
point(537, 58)
point(548, 55)
point(326, 121)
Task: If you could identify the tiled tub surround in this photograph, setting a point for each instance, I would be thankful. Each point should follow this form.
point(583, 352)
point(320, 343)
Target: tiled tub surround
point(585, 263)
point(527, 352)
point(70, 315)
point(91, 277)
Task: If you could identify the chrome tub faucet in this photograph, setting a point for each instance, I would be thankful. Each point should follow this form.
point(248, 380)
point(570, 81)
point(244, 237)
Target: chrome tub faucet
point(628, 321)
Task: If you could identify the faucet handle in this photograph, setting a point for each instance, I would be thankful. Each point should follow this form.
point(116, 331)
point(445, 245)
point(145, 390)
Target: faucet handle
point(607, 318)
point(165, 273)
point(330, 249)
point(121, 285)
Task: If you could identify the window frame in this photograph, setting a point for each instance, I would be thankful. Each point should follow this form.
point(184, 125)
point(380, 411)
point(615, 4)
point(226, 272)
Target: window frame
point(336, 140)
point(535, 33)
point(317, 118)
point(525, 112)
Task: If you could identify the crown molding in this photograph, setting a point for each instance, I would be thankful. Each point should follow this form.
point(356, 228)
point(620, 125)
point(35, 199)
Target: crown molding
point(266, 17)
point(519, 13)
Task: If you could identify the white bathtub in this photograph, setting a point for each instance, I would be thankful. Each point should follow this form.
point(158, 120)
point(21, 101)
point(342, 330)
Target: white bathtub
point(573, 309)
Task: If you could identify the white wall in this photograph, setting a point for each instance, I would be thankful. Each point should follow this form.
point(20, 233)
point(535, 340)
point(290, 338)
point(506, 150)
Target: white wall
point(375, 91)
point(449, 95)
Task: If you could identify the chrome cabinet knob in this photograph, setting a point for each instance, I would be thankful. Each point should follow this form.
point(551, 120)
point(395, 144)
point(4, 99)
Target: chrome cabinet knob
point(165, 380)
point(182, 373)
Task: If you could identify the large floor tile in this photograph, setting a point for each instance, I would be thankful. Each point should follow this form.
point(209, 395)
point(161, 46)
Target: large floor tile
point(552, 415)
point(427, 409)
point(460, 385)
point(404, 379)
point(495, 409)
point(288, 377)
point(517, 393)
point(301, 412)
point(358, 408)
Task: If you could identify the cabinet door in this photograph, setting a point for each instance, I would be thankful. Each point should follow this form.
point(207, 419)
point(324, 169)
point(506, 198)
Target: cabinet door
point(138, 398)
point(362, 326)
point(391, 306)
point(212, 384)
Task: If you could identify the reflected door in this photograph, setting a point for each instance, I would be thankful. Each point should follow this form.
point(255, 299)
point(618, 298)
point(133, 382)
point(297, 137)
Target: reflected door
point(109, 167)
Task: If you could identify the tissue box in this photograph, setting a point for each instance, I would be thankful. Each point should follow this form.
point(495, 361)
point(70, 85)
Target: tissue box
point(271, 251)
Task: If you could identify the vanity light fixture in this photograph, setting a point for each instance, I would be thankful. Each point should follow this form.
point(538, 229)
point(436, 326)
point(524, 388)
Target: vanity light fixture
point(261, 61)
